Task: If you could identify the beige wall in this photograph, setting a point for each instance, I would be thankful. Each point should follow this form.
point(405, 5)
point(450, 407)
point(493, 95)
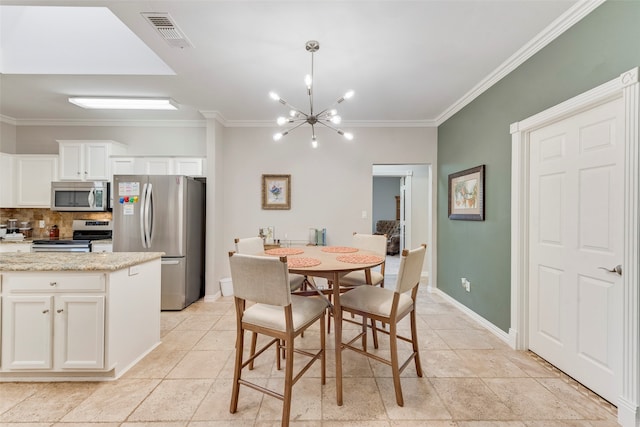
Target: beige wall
point(140, 140)
point(331, 185)
point(7, 138)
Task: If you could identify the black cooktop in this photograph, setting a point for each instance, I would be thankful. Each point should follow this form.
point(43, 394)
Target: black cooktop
point(61, 242)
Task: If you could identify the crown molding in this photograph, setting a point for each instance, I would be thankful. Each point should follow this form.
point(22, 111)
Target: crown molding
point(8, 120)
point(546, 36)
point(344, 124)
point(216, 115)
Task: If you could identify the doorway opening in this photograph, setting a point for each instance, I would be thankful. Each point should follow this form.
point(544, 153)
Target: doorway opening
point(402, 193)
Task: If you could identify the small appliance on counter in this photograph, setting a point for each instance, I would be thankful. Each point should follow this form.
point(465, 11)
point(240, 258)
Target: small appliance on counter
point(84, 232)
point(12, 226)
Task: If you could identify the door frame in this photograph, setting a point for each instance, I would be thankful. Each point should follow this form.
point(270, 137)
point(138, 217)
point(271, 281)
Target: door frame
point(626, 87)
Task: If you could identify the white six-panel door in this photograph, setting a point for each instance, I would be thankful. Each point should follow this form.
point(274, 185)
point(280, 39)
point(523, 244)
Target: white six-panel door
point(576, 226)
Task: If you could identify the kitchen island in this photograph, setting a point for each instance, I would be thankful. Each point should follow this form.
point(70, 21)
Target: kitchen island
point(77, 316)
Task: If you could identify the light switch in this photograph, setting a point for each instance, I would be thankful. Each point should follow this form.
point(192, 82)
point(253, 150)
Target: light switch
point(364, 214)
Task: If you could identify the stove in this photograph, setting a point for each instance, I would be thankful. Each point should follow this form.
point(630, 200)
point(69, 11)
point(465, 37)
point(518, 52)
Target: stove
point(84, 231)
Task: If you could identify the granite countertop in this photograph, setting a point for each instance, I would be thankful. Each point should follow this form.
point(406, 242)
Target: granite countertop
point(69, 261)
point(9, 242)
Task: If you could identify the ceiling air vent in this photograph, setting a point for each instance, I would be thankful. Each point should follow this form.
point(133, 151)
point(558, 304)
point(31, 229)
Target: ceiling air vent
point(168, 30)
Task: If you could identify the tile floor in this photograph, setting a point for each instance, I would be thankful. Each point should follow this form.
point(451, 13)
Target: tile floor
point(471, 379)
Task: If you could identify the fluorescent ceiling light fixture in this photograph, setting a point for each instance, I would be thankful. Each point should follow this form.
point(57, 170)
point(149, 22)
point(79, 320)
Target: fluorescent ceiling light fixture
point(114, 103)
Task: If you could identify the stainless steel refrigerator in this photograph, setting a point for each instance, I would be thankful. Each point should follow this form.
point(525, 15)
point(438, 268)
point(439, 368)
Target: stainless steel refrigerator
point(164, 213)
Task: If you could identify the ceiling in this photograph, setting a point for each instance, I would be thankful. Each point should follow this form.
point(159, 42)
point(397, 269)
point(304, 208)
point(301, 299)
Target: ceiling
point(409, 62)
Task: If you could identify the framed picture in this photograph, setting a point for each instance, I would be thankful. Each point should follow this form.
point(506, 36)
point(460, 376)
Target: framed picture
point(276, 192)
point(466, 194)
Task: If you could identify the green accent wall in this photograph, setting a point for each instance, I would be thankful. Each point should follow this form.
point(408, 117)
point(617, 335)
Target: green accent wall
point(597, 49)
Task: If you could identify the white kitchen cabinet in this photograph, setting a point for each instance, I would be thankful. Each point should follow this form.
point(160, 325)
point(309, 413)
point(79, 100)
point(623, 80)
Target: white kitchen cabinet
point(97, 246)
point(87, 160)
point(54, 322)
point(28, 337)
point(190, 166)
point(33, 176)
point(123, 166)
point(7, 180)
point(158, 165)
point(80, 325)
point(15, 247)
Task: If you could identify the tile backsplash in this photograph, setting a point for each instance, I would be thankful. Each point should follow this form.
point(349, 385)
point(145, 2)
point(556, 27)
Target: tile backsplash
point(63, 220)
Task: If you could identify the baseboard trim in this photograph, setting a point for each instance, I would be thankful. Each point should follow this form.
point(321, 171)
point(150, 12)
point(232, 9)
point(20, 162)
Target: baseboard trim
point(473, 316)
point(214, 297)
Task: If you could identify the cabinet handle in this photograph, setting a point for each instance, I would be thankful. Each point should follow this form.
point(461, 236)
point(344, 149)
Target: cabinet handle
point(53, 283)
point(60, 310)
point(86, 173)
point(45, 311)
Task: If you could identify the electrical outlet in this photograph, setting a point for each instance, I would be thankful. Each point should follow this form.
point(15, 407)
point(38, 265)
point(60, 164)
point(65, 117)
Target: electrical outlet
point(41, 223)
point(465, 284)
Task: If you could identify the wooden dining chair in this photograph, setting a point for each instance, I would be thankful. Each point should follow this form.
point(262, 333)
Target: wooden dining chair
point(376, 243)
point(254, 246)
point(390, 306)
point(264, 305)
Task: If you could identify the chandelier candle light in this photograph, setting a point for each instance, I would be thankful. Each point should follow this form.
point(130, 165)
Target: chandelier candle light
point(327, 117)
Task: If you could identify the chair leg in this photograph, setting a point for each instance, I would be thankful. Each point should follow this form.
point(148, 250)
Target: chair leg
point(414, 343)
point(237, 371)
point(364, 333)
point(323, 358)
point(288, 382)
point(393, 342)
point(374, 332)
point(254, 340)
point(329, 316)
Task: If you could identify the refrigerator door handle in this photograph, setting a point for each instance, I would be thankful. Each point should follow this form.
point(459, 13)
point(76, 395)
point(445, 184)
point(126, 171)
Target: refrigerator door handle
point(143, 233)
point(149, 215)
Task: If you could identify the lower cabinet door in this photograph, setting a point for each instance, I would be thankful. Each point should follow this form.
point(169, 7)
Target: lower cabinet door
point(27, 332)
point(53, 332)
point(79, 329)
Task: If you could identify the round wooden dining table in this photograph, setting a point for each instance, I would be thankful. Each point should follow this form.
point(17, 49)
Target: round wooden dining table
point(331, 263)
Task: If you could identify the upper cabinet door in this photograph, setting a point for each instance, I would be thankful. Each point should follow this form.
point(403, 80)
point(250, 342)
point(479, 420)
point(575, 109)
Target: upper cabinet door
point(34, 174)
point(189, 166)
point(97, 162)
point(87, 160)
point(71, 164)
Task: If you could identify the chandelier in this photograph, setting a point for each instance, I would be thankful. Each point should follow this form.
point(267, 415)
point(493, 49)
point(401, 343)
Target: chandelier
point(327, 117)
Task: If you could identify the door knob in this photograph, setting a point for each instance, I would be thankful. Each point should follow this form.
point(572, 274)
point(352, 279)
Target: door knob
point(617, 269)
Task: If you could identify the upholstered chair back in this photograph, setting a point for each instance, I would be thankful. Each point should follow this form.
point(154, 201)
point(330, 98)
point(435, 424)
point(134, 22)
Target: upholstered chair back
point(371, 242)
point(262, 279)
point(250, 245)
point(410, 269)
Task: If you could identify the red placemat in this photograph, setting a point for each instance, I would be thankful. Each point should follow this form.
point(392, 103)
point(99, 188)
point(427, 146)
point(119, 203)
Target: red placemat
point(297, 262)
point(359, 259)
point(284, 251)
point(338, 249)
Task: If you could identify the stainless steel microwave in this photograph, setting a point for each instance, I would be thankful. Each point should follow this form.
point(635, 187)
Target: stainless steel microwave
point(80, 196)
